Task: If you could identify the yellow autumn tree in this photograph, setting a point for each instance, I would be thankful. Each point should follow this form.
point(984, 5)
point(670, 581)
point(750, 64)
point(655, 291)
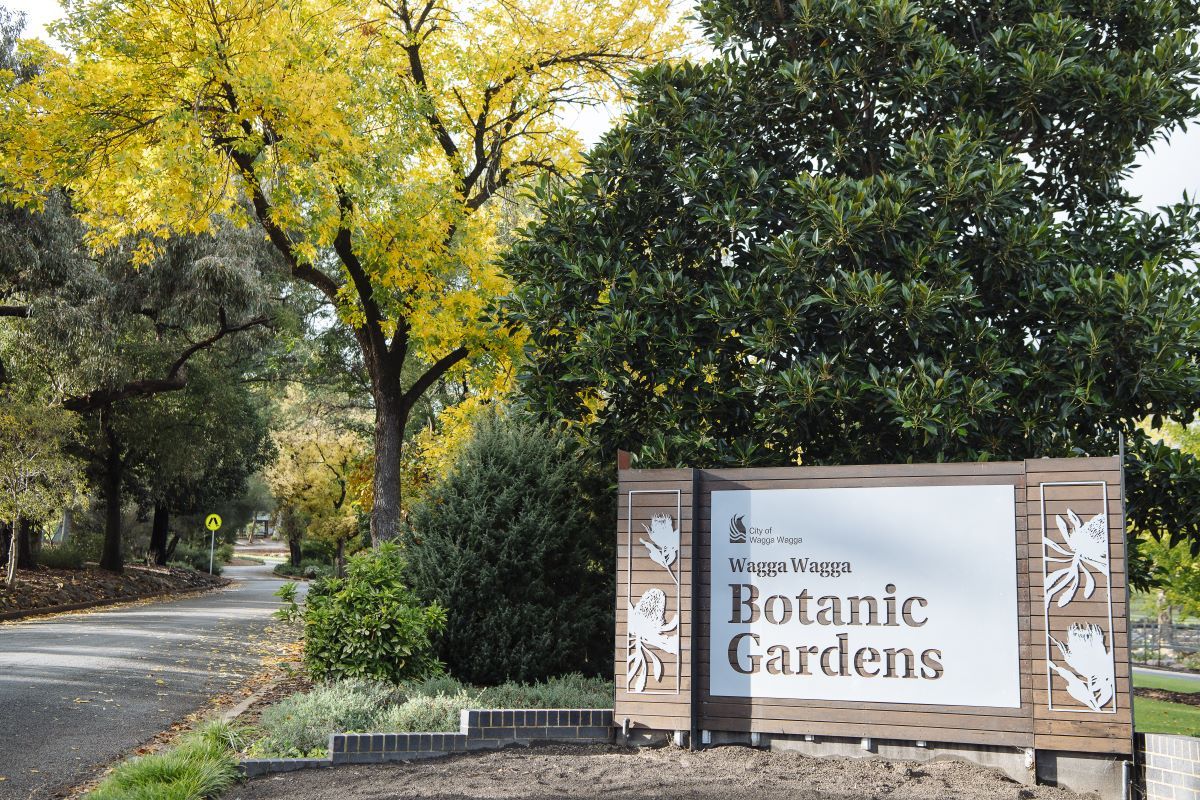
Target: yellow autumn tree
point(371, 142)
point(314, 473)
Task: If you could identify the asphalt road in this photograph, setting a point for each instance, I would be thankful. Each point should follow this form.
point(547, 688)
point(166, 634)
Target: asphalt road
point(1169, 673)
point(80, 690)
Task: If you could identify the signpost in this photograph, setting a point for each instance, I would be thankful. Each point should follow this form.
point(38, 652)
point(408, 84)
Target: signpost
point(213, 523)
point(952, 606)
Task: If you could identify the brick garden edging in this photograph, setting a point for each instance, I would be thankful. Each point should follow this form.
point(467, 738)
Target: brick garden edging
point(479, 729)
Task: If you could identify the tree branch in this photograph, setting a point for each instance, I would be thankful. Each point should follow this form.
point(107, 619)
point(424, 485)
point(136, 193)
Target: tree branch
point(14, 311)
point(432, 374)
point(175, 380)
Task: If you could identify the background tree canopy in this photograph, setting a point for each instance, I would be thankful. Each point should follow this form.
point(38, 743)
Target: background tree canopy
point(882, 231)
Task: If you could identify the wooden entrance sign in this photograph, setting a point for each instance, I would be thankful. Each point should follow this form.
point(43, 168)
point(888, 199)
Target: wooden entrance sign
point(968, 604)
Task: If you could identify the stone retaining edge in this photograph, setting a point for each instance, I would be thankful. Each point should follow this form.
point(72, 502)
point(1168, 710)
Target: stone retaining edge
point(479, 729)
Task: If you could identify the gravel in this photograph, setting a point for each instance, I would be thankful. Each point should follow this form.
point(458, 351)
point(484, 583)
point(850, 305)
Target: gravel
point(722, 773)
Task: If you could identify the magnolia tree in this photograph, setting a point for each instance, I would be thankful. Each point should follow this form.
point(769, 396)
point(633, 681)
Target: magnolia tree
point(874, 231)
point(37, 477)
point(369, 141)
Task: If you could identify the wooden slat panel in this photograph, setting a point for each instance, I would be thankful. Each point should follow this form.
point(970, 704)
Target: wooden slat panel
point(670, 709)
point(1115, 743)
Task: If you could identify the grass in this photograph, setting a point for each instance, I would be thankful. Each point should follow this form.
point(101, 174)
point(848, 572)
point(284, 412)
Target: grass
point(300, 725)
point(203, 764)
point(1165, 682)
point(1159, 716)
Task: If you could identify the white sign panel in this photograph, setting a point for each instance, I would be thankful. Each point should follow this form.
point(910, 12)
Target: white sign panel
point(903, 594)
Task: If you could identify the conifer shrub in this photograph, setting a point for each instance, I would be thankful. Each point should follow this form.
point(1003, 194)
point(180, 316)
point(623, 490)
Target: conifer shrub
point(512, 545)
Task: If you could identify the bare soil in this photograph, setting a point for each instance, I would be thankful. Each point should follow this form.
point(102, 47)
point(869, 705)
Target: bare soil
point(45, 588)
point(594, 772)
point(1187, 698)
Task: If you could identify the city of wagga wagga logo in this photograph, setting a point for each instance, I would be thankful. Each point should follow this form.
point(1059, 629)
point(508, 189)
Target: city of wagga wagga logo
point(839, 660)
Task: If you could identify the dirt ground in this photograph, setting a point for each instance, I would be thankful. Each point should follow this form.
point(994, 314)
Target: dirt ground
point(595, 772)
point(45, 588)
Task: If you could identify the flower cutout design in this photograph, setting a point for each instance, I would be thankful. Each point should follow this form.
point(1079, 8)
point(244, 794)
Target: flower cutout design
point(648, 631)
point(1091, 674)
point(1084, 548)
point(663, 546)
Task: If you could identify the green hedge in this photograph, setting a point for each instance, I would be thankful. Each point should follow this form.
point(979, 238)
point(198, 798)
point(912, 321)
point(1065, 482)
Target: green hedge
point(510, 544)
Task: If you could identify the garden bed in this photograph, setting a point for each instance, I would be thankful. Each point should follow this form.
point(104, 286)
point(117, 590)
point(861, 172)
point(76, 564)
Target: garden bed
point(300, 725)
point(48, 589)
point(602, 771)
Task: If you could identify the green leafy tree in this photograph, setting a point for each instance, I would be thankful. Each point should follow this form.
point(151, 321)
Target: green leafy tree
point(109, 339)
point(507, 543)
point(193, 452)
point(37, 475)
point(878, 231)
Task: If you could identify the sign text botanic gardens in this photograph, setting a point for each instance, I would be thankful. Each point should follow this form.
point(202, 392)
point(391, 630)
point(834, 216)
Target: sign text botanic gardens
point(979, 604)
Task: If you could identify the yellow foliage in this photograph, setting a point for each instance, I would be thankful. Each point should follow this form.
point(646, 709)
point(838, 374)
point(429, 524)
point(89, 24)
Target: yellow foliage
point(316, 470)
point(431, 452)
point(371, 141)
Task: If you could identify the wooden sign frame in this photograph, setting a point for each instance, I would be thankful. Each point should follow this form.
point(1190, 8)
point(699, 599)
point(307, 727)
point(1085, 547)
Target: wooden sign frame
point(1047, 492)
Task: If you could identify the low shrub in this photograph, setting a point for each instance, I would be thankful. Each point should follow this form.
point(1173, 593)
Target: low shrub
point(299, 726)
point(368, 624)
point(440, 712)
point(568, 691)
point(309, 568)
point(202, 765)
point(195, 558)
point(317, 551)
point(63, 556)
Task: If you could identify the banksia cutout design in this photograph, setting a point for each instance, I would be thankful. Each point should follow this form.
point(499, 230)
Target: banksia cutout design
point(648, 627)
point(1084, 548)
point(1081, 661)
point(1091, 675)
point(664, 543)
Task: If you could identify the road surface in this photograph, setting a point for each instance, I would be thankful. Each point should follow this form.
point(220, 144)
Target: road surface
point(80, 690)
point(1186, 676)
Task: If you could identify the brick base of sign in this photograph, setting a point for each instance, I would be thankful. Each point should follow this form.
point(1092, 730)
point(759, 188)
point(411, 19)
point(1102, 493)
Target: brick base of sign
point(478, 730)
point(1170, 766)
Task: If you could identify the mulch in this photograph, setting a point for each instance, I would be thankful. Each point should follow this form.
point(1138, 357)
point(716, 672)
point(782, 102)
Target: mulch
point(1186, 698)
point(44, 588)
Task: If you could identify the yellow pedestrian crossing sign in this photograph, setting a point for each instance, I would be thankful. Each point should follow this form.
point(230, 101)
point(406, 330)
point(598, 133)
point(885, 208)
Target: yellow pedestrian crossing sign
point(213, 522)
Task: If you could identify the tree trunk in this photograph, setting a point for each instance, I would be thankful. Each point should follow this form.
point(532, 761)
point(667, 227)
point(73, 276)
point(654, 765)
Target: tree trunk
point(294, 551)
point(339, 560)
point(111, 558)
point(10, 578)
point(68, 523)
point(390, 419)
point(158, 534)
point(24, 544)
